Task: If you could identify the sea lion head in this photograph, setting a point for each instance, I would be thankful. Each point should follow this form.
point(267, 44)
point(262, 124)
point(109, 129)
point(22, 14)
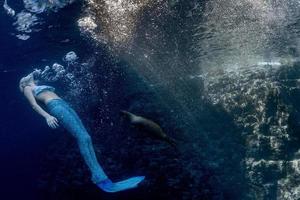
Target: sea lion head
point(129, 116)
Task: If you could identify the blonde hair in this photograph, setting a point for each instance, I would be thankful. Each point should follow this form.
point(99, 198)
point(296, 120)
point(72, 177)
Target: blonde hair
point(25, 81)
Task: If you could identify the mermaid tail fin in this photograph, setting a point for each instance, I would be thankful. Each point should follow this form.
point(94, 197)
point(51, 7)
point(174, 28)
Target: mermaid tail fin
point(126, 184)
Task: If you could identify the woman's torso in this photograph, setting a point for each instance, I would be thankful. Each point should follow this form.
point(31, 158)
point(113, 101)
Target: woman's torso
point(44, 93)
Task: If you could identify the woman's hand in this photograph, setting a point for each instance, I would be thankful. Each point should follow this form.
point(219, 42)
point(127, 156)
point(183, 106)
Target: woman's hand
point(52, 121)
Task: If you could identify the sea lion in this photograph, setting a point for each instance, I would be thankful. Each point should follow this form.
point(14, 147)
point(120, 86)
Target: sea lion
point(151, 128)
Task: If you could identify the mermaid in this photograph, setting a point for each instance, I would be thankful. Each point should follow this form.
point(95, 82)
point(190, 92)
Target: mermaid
point(60, 113)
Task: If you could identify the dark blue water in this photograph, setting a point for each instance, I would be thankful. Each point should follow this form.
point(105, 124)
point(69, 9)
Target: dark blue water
point(24, 135)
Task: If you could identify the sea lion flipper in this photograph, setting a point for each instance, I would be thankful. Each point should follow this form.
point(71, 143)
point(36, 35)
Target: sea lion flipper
point(171, 141)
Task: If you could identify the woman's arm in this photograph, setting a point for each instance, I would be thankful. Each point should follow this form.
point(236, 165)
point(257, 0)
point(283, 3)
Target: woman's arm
point(51, 121)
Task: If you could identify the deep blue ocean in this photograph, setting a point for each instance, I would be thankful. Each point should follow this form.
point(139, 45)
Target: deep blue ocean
point(220, 77)
point(24, 136)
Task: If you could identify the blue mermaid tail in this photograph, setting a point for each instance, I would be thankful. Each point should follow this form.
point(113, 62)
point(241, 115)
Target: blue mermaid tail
point(108, 186)
point(70, 120)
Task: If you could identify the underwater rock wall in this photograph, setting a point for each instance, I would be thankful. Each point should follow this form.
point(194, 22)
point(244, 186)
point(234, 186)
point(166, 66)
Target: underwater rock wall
point(264, 103)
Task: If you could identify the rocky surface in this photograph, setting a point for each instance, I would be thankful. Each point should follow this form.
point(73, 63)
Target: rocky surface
point(263, 101)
